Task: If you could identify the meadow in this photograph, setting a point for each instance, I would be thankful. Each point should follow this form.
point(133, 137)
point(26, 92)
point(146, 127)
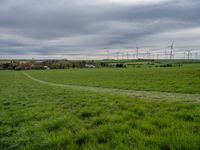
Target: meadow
point(184, 79)
point(34, 115)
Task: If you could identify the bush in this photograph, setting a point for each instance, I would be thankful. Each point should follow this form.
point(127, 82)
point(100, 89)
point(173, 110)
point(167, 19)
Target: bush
point(120, 66)
point(166, 65)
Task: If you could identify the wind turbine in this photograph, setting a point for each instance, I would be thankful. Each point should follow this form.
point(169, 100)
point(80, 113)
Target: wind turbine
point(122, 55)
point(137, 48)
point(196, 55)
point(189, 53)
point(148, 54)
point(108, 54)
point(117, 55)
point(184, 55)
point(127, 55)
point(171, 54)
point(172, 50)
point(165, 52)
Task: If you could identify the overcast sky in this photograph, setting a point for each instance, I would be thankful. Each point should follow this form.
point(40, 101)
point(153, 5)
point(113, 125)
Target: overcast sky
point(76, 28)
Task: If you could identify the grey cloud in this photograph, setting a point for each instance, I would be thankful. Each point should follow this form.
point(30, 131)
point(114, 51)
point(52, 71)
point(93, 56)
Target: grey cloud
point(103, 26)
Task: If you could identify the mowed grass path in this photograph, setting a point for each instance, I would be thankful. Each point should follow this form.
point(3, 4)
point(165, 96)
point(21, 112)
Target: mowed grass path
point(37, 116)
point(151, 95)
point(184, 79)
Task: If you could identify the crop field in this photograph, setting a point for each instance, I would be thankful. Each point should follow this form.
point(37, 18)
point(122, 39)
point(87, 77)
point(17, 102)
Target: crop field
point(148, 108)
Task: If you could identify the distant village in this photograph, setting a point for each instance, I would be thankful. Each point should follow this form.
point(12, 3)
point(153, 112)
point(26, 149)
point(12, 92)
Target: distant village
point(68, 64)
point(52, 64)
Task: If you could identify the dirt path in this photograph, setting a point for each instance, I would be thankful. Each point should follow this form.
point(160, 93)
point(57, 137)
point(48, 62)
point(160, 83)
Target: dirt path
point(151, 95)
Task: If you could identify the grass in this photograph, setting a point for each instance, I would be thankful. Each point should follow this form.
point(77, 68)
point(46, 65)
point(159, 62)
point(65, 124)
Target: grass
point(37, 116)
point(184, 79)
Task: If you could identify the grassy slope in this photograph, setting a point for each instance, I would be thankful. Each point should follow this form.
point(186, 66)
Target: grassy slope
point(185, 79)
point(35, 116)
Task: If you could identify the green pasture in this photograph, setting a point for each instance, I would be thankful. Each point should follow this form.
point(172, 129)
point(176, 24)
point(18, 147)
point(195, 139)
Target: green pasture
point(34, 115)
point(185, 79)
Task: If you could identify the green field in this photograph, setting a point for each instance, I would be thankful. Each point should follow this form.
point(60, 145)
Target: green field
point(38, 112)
point(184, 79)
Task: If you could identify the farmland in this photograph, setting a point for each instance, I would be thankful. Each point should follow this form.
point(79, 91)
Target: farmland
point(38, 113)
point(185, 79)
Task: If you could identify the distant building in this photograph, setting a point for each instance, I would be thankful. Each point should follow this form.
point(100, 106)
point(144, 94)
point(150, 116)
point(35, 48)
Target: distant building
point(39, 61)
point(46, 67)
point(89, 66)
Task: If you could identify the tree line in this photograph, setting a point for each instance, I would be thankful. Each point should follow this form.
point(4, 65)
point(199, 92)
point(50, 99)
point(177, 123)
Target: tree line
point(50, 64)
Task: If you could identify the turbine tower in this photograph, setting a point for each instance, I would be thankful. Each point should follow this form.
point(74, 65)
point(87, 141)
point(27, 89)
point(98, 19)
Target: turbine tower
point(108, 54)
point(189, 53)
point(184, 55)
point(148, 54)
point(127, 54)
point(172, 51)
point(137, 48)
point(165, 52)
point(117, 55)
